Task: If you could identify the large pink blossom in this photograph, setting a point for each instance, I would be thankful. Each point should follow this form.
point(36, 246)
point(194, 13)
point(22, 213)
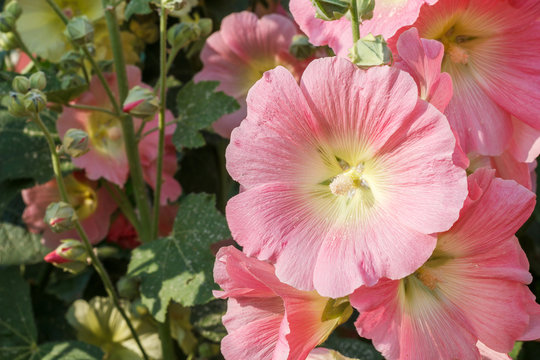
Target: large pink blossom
point(238, 55)
point(388, 17)
point(347, 172)
point(94, 208)
point(107, 156)
point(472, 289)
point(269, 320)
point(492, 54)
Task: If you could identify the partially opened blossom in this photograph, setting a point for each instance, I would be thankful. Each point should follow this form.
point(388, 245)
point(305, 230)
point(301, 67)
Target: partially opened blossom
point(269, 320)
point(472, 289)
point(492, 54)
point(107, 156)
point(388, 17)
point(238, 55)
point(348, 171)
point(93, 206)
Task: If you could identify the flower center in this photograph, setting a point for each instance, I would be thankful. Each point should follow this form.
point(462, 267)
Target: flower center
point(105, 133)
point(455, 46)
point(348, 182)
point(81, 196)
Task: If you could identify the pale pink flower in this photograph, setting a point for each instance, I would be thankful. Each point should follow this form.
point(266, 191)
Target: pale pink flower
point(269, 320)
point(94, 208)
point(107, 156)
point(238, 55)
point(388, 17)
point(492, 53)
point(473, 287)
point(348, 171)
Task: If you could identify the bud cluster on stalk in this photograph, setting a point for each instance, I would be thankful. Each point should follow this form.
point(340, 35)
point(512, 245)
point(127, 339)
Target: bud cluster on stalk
point(27, 97)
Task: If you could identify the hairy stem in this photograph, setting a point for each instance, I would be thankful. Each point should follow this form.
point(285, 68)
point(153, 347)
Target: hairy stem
point(355, 22)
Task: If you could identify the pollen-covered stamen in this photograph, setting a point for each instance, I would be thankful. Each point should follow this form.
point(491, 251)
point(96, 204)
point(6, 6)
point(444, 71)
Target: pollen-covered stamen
point(457, 54)
point(348, 182)
point(427, 277)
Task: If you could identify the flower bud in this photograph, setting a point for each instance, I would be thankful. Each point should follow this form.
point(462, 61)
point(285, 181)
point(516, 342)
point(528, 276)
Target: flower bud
point(16, 104)
point(20, 84)
point(80, 31)
point(75, 143)
point(331, 9)
point(127, 287)
point(301, 48)
point(370, 51)
point(141, 102)
point(70, 60)
point(38, 80)
point(14, 9)
point(35, 101)
point(70, 255)
point(7, 22)
point(364, 9)
point(8, 41)
point(182, 34)
point(60, 216)
point(205, 25)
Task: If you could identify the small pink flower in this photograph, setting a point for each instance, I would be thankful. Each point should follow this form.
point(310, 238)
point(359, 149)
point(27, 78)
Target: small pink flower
point(238, 55)
point(472, 289)
point(94, 208)
point(348, 171)
point(269, 320)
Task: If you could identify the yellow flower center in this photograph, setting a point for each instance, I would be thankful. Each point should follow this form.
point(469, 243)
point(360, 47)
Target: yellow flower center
point(81, 196)
point(105, 133)
point(348, 182)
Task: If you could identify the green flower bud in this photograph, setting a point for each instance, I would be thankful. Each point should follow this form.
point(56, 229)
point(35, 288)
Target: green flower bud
point(8, 41)
point(38, 80)
point(127, 287)
point(141, 102)
point(14, 9)
point(16, 104)
point(370, 51)
point(364, 9)
point(70, 60)
point(35, 101)
point(60, 216)
point(69, 81)
point(79, 30)
point(70, 255)
point(7, 22)
point(75, 143)
point(182, 34)
point(20, 84)
point(301, 48)
point(205, 24)
point(331, 9)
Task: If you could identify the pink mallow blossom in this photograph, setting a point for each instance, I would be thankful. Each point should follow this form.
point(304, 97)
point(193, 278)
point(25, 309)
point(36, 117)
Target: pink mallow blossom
point(238, 55)
point(470, 297)
point(269, 320)
point(107, 156)
point(93, 206)
point(347, 172)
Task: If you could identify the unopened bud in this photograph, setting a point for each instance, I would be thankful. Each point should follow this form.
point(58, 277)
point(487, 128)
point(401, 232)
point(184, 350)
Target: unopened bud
point(70, 60)
point(75, 143)
point(8, 41)
point(38, 80)
point(20, 84)
point(182, 34)
point(7, 22)
point(35, 101)
point(70, 81)
point(370, 51)
point(79, 30)
point(301, 48)
point(128, 288)
point(60, 216)
point(141, 102)
point(14, 9)
point(70, 255)
point(331, 9)
point(16, 104)
point(205, 24)
point(364, 9)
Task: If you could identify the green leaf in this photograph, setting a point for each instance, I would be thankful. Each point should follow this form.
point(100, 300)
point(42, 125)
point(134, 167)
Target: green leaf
point(354, 348)
point(68, 350)
point(179, 267)
point(137, 7)
point(206, 319)
point(18, 246)
point(199, 105)
point(9, 189)
point(18, 332)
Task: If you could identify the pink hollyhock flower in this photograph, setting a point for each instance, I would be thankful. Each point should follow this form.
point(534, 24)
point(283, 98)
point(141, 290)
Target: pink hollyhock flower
point(472, 289)
point(241, 52)
point(269, 320)
point(94, 208)
point(493, 57)
point(348, 171)
point(107, 157)
point(388, 17)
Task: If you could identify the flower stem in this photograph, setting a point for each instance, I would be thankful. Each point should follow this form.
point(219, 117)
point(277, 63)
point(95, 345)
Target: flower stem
point(100, 269)
point(25, 49)
point(355, 22)
point(58, 11)
point(167, 348)
point(132, 150)
point(161, 121)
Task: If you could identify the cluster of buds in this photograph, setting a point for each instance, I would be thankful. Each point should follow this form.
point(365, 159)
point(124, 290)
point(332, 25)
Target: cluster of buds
point(370, 51)
point(70, 255)
point(335, 9)
point(9, 16)
point(141, 102)
point(27, 97)
point(182, 34)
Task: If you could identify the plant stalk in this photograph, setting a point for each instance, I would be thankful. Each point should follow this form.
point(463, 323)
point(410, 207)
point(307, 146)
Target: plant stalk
point(355, 22)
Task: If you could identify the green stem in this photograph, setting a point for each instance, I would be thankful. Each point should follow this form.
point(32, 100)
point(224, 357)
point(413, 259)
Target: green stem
point(161, 121)
point(355, 22)
point(91, 108)
point(123, 203)
point(82, 234)
point(157, 128)
point(167, 347)
point(132, 150)
point(25, 49)
point(58, 11)
point(170, 60)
